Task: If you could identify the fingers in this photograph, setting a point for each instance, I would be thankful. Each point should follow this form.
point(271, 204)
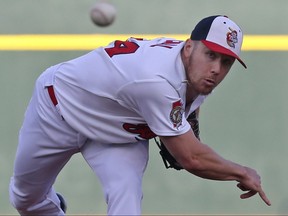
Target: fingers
point(251, 193)
point(242, 187)
point(248, 194)
point(264, 197)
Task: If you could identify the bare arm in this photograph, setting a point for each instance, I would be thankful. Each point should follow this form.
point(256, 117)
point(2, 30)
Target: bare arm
point(199, 159)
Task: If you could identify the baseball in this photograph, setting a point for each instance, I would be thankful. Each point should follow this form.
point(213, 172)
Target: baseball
point(103, 13)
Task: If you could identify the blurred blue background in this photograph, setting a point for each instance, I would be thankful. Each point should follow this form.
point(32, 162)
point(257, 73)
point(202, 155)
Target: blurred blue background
point(245, 120)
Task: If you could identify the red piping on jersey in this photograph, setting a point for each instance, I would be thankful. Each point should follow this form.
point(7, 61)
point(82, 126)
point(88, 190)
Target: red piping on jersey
point(52, 95)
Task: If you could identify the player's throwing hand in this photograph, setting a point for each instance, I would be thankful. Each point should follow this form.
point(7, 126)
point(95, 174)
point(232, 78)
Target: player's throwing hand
point(252, 185)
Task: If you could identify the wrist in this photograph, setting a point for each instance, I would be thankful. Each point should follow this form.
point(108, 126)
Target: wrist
point(242, 173)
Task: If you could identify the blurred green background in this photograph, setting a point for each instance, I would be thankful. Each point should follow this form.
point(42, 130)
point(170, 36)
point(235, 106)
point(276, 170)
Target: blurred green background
point(244, 121)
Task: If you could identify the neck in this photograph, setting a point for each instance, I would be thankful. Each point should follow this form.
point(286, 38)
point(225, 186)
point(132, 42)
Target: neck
point(191, 95)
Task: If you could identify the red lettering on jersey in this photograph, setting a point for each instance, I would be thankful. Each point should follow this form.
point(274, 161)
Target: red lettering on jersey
point(142, 130)
point(122, 47)
point(168, 44)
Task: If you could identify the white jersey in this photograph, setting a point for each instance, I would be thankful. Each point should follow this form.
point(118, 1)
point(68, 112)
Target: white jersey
point(128, 91)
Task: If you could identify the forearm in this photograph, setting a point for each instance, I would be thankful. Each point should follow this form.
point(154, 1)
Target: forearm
point(199, 159)
point(206, 163)
point(212, 166)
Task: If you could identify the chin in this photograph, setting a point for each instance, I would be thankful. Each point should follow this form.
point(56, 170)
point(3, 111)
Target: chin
point(205, 92)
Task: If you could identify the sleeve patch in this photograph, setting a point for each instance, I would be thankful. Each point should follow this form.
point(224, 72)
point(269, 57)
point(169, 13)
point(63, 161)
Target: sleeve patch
point(176, 114)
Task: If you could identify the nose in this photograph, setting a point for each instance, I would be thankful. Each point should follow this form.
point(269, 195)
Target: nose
point(216, 67)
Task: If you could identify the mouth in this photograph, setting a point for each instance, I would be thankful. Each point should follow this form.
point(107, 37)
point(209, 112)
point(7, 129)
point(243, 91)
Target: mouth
point(210, 82)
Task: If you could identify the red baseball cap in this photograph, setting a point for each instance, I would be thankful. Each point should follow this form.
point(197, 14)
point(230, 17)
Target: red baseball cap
point(220, 34)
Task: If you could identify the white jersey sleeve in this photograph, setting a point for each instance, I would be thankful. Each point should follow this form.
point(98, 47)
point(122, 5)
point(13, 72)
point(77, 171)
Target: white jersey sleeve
point(159, 104)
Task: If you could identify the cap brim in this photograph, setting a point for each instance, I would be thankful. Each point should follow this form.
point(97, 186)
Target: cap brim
point(220, 49)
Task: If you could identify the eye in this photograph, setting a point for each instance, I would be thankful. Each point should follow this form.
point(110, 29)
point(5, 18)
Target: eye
point(228, 61)
point(211, 54)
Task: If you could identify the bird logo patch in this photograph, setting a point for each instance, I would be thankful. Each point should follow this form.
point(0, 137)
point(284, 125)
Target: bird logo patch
point(176, 114)
point(232, 38)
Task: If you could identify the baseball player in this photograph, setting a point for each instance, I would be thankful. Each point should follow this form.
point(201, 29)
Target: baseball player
point(108, 103)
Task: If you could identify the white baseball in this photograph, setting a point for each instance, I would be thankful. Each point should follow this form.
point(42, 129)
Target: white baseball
point(103, 13)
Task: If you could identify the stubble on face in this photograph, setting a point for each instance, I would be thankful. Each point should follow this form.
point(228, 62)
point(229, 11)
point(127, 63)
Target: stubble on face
point(205, 69)
point(195, 67)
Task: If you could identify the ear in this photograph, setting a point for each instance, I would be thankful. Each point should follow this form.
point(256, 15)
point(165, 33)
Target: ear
point(187, 49)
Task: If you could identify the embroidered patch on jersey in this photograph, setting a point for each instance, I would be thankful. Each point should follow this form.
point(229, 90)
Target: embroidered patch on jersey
point(176, 114)
point(232, 38)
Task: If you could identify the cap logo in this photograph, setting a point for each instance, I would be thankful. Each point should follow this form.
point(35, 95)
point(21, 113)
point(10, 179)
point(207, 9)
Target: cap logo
point(232, 37)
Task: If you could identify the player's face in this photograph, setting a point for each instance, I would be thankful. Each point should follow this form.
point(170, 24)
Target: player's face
point(205, 69)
